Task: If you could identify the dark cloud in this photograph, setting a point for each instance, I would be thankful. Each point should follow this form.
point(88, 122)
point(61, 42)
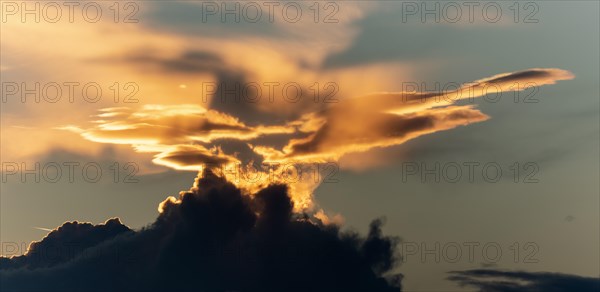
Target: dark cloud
point(235, 91)
point(229, 93)
point(188, 62)
point(213, 238)
point(513, 281)
point(64, 244)
point(229, 79)
point(530, 74)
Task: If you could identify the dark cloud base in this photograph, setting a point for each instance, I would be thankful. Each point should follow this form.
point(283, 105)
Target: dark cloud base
point(513, 281)
point(214, 239)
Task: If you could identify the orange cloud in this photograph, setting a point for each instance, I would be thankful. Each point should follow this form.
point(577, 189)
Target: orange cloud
point(170, 125)
point(387, 119)
point(189, 137)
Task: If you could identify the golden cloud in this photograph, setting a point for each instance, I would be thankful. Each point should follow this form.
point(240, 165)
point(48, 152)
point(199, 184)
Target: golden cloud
point(189, 137)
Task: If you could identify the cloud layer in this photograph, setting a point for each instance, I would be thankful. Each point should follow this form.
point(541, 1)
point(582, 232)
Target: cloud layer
point(512, 281)
point(190, 137)
point(212, 238)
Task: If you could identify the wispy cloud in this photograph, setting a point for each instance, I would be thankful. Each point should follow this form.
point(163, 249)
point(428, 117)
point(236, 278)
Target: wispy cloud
point(190, 137)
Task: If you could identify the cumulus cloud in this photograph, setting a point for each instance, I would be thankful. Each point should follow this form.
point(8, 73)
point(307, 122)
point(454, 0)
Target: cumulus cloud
point(64, 244)
point(214, 237)
point(511, 281)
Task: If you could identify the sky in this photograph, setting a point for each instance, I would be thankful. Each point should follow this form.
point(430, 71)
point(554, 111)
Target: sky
point(470, 128)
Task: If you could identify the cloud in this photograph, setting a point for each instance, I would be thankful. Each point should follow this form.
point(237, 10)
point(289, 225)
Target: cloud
point(230, 87)
point(189, 62)
point(191, 157)
point(358, 133)
point(512, 281)
point(214, 237)
point(173, 132)
point(171, 124)
point(64, 244)
point(386, 119)
point(188, 136)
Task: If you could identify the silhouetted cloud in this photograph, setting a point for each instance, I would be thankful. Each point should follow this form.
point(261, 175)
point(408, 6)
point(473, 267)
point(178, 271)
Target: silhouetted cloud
point(512, 281)
point(214, 237)
point(64, 244)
